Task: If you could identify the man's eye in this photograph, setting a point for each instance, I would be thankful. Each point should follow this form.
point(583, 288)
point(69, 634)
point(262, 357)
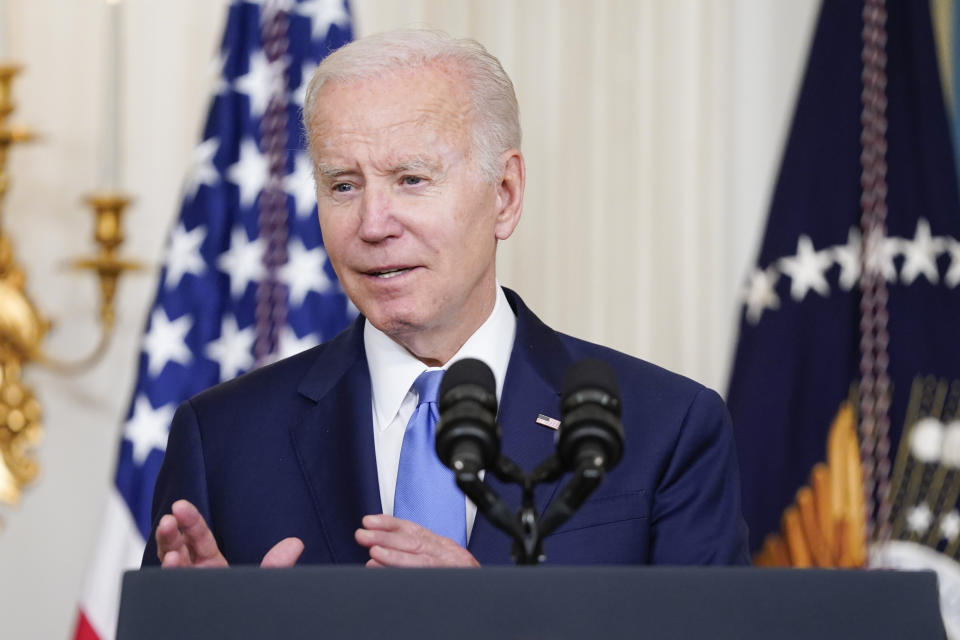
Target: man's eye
point(342, 187)
point(412, 180)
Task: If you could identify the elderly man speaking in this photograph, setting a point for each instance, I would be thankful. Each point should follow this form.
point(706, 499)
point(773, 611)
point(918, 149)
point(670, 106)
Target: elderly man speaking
point(325, 457)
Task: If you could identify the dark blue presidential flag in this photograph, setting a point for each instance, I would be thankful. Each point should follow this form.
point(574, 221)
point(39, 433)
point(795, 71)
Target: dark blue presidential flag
point(856, 291)
point(245, 279)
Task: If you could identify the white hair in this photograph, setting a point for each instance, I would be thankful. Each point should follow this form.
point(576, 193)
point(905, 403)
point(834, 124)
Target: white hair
point(496, 118)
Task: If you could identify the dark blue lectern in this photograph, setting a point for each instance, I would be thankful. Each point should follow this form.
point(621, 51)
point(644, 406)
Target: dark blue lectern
point(529, 603)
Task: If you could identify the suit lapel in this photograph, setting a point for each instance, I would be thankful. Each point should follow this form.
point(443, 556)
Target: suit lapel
point(334, 443)
point(531, 387)
point(334, 439)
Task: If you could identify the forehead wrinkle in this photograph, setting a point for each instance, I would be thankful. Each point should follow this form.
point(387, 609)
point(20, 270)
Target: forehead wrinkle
point(446, 119)
point(368, 128)
point(384, 156)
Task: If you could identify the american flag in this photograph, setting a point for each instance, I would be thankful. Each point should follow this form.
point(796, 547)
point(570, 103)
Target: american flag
point(802, 330)
point(245, 279)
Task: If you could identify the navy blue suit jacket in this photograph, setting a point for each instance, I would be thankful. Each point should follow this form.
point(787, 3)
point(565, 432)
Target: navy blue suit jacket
point(287, 450)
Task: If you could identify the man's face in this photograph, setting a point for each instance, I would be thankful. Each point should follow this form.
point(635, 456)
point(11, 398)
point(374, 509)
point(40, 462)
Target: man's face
point(408, 222)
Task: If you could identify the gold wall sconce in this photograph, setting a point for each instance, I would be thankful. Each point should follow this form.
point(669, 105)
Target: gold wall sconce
point(23, 327)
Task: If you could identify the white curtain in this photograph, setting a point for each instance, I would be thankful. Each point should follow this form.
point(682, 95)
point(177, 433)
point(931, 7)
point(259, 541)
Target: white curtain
point(652, 133)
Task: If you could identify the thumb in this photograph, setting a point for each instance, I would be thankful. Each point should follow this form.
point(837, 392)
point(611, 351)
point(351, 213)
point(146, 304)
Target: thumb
point(283, 554)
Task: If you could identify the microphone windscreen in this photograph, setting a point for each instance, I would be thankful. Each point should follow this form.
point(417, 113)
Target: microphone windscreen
point(468, 371)
point(590, 373)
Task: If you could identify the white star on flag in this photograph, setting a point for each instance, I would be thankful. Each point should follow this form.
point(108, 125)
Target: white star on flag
point(300, 185)
point(166, 341)
point(260, 81)
point(881, 261)
point(183, 255)
point(919, 518)
point(306, 74)
point(201, 169)
point(243, 262)
point(806, 269)
point(291, 345)
point(921, 255)
point(249, 173)
point(323, 14)
point(303, 271)
point(760, 294)
point(147, 428)
point(848, 257)
point(233, 350)
point(950, 526)
point(952, 278)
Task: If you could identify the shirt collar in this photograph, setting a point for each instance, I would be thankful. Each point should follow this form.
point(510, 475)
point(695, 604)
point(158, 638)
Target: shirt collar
point(393, 369)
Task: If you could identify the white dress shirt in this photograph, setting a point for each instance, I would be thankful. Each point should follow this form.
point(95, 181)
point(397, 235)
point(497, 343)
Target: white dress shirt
point(393, 371)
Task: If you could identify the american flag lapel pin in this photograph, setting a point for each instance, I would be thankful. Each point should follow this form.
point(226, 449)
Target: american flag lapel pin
point(547, 421)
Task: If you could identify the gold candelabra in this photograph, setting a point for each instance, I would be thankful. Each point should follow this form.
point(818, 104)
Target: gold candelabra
point(22, 327)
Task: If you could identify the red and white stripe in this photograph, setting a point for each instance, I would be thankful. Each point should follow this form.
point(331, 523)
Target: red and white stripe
point(119, 548)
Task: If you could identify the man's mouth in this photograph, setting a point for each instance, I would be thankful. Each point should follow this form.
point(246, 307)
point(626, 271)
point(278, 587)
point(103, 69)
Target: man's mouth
point(389, 273)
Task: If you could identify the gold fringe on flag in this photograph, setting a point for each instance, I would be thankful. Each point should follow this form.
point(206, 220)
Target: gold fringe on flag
point(825, 525)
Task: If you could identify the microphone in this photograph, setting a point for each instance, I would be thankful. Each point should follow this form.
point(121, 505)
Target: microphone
point(590, 437)
point(590, 432)
point(468, 436)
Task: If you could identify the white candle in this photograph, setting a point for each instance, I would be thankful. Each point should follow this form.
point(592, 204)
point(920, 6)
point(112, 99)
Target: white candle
point(110, 175)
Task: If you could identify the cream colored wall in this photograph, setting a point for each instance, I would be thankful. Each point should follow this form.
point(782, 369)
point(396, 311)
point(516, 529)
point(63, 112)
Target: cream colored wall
point(652, 133)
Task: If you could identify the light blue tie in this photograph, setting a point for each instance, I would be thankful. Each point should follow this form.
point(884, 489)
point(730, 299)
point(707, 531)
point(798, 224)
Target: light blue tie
point(426, 490)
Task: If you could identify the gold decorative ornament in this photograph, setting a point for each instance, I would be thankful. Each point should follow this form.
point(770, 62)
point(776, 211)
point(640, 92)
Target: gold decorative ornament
point(824, 526)
point(22, 327)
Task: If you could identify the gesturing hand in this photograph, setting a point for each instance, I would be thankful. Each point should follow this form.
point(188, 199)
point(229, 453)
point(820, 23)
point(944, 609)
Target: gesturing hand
point(400, 543)
point(185, 540)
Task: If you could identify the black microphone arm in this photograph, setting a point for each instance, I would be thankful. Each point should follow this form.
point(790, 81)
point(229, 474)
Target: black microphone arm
point(586, 478)
point(489, 503)
point(589, 443)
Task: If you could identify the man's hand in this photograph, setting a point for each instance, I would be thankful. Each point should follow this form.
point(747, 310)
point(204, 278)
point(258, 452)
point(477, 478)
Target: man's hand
point(185, 540)
point(400, 543)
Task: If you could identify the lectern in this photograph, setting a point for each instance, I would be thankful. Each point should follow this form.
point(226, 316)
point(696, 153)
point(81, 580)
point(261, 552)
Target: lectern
point(529, 603)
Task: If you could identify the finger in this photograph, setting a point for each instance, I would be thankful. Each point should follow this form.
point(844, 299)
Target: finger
point(383, 522)
point(458, 557)
point(402, 541)
point(283, 554)
point(388, 557)
point(199, 538)
point(373, 564)
point(173, 559)
point(168, 536)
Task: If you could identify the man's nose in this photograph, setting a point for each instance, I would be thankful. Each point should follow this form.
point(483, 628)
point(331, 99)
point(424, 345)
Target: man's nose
point(378, 217)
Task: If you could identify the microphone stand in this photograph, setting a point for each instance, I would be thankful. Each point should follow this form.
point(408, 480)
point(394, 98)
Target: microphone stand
point(526, 526)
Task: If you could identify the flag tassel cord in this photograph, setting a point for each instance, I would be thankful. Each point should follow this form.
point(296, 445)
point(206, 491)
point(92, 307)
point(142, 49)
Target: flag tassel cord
point(271, 306)
point(874, 387)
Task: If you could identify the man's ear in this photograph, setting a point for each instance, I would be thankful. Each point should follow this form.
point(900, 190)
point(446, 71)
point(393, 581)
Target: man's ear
point(510, 193)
